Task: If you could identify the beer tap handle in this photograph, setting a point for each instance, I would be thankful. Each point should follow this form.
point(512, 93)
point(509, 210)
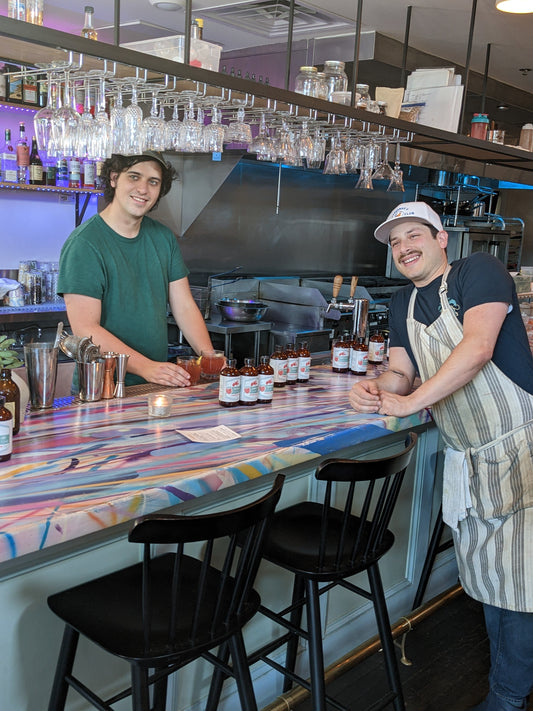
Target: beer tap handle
point(337, 283)
point(353, 286)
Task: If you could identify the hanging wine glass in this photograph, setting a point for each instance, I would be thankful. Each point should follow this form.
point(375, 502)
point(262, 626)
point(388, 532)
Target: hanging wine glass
point(42, 121)
point(368, 167)
point(85, 133)
point(319, 150)
point(172, 129)
point(117, 120)
point(335, 163)
point(102, 127)
point(396, 182)
point(213, 134)
point(65, 122)
point(153, 128)
point(190, 131)
point(262, 145)
point(355, 156)
point(238, 131)
point(384, 170)
point(133, 121)
point(305, 146)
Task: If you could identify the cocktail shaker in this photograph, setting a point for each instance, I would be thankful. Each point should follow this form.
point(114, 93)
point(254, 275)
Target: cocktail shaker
point(122, 364)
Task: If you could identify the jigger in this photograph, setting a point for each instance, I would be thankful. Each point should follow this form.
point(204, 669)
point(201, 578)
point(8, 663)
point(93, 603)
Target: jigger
point(122, 363)
point(110, 362)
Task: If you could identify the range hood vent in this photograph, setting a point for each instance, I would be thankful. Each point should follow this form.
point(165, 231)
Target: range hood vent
point(270, 18)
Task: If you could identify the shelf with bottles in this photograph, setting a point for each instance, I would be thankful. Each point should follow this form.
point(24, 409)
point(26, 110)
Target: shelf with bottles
point(51, 189)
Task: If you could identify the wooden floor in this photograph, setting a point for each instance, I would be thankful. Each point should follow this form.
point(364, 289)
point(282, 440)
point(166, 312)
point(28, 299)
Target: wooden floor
point(449, 656)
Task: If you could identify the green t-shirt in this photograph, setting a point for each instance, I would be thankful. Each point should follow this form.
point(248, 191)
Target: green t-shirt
point(129, 276)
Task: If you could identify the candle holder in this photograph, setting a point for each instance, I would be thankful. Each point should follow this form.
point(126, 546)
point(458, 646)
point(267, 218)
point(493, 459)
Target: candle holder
point(159, 405)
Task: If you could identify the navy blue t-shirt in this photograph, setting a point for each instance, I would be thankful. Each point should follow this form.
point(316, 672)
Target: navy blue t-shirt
point(475, 280)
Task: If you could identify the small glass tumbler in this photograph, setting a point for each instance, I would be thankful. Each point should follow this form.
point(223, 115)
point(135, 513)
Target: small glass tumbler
point(211, 363)
point(159, 405)
point(192, 365)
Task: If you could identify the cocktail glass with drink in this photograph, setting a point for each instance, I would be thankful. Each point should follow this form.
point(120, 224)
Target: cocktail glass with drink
point(211, 363)
point(192, 365)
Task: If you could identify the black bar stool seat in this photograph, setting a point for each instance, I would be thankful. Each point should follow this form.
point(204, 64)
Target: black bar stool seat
point(170, 609)
point(327, 543)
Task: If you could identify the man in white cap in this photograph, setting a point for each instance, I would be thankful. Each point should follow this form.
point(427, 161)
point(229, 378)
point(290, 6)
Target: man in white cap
point(459, 327)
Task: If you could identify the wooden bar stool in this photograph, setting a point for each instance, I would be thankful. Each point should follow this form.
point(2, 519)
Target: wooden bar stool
point(323, 544)
point(163, 613)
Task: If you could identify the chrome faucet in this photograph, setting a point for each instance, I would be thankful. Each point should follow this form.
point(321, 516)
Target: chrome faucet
point(357, 307)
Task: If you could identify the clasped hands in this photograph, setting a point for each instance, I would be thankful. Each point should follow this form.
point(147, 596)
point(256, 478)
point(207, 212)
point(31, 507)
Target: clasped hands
point(366, 396)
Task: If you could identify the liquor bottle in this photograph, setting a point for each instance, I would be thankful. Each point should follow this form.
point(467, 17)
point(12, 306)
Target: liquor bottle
point(265, 377)
point(340, 354)
point(249, 383)
point(88, 30)
point(229, 384)
point(62, 173)
point(304, 363)
point(6, 431)
point(359, 357)
point(10, 391)
point(36, 165)
point(89, 173)
point(278, 361)
point(23, 155)
point(8, 159)
point(16, 9)
point(49, 170)
point(74, 173)
point(376, 348)
point(3, 83)
point(34, 11)
point(292, 363)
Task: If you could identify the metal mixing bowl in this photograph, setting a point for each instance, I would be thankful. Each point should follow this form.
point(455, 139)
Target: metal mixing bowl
point(241, 309)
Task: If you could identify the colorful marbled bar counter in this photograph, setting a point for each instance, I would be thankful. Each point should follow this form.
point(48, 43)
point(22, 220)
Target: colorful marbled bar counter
point(86, 467)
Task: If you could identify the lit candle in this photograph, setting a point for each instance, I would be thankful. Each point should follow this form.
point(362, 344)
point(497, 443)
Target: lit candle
point(159, 405)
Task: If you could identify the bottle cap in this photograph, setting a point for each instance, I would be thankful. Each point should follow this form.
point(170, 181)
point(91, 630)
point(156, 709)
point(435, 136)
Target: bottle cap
point(480, 118)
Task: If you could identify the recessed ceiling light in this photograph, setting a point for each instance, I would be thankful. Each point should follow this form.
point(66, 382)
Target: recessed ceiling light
point(519, 7)
point(167, 4)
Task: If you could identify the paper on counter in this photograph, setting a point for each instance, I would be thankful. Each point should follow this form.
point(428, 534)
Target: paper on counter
point(210, 434)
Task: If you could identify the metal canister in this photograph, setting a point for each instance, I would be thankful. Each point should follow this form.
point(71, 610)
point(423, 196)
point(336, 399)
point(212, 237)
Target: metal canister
point(34, 286)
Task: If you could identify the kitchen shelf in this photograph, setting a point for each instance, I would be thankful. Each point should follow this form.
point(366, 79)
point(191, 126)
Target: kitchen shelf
point(33, 44)
point(50, 189)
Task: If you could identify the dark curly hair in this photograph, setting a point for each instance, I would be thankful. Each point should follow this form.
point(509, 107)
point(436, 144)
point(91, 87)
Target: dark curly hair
point(119, 164)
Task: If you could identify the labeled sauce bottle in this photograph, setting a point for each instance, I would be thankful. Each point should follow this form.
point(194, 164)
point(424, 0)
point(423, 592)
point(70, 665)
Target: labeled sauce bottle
point(229, 384)
point(292, 363)
point(9, 390)
point(304, 362)
point(265, 381)
point(376, 348)
point(278, 361)
point(340, 354)
point(6, 431)
point(249, 383)
point(359, 357)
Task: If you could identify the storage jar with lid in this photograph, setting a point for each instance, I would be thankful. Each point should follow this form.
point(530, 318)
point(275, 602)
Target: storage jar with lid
point(336, 79)
point(307, 82)
point(479, 126)
point(362, 96)
point(322, 89)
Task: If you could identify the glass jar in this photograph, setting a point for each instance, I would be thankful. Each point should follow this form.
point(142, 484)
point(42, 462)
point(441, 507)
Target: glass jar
point(322, 87)
point(307, 82)
point(362, 96)
point(479, 126)
point(336, 79)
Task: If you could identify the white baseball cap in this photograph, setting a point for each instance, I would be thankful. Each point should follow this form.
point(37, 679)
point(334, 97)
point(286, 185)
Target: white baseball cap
point(408, 212)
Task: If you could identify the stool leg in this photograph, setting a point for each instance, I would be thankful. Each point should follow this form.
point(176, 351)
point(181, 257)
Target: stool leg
point(217, 680)
point(316, 654)
point(431, 554)
point(241, 671)
point(160, 694)
point(385, 634)
point(295, 619)
point(65, 662)
point(139, 685)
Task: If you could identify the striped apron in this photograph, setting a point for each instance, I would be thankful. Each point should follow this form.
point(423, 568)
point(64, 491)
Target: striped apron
point(490, 419)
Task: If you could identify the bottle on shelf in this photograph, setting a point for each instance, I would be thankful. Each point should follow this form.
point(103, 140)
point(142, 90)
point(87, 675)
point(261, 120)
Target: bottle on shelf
point(8, 158)
point(34, 11)
point(229, 384)
point(23, 155)
point(10, 391)
point(376, 348)
point(74, 172)
point(36, 165)
point(88, 31)
point(265, 381)
point(88, 173)
point(340, 354)
point(62, 173)
point(6, 431)
point(49, 170)
point(278, 361)
point(304, 362)
point(359, 357)
point(292, 363)
point(16, 9)
point(249, 383)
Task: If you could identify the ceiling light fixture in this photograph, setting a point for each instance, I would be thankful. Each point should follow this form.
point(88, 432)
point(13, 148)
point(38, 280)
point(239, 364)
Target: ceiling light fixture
point(518, 7)
point(167, 4)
